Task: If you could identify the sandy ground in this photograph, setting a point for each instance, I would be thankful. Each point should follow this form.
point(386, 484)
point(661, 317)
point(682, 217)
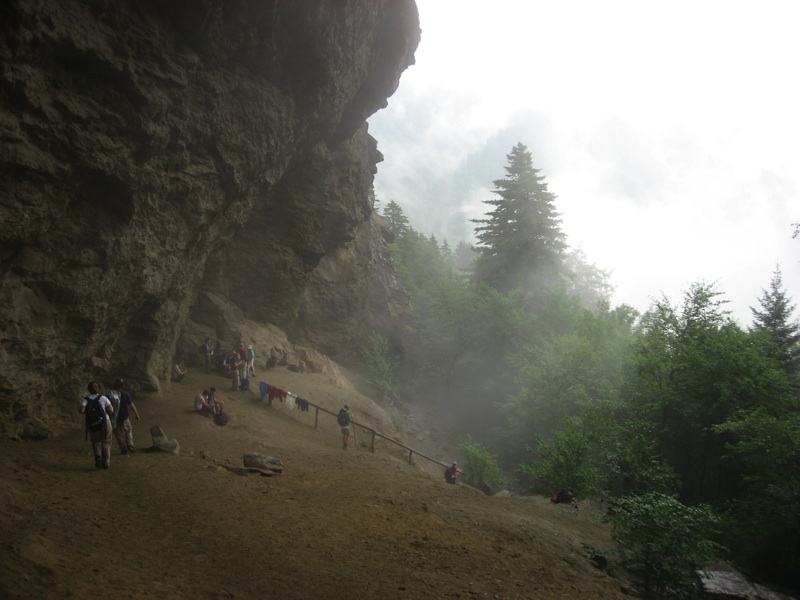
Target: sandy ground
point(335, 524)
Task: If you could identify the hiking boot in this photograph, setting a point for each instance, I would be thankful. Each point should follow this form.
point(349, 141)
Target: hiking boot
point(98, 462)
point(130, 450)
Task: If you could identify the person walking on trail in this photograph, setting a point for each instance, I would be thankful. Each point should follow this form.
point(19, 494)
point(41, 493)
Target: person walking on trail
point(345, 421)
point(97, 409)
point(123, 431)
point(451, 473)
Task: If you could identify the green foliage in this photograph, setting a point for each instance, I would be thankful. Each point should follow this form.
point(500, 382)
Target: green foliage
point(629, 457)
point(577, 361)
point(665, 542)
point(379, 363)
point(563, 463)
point(694, 369)
point(480, 466)
point(587, 282)
point(763, 524)
point(465, 329)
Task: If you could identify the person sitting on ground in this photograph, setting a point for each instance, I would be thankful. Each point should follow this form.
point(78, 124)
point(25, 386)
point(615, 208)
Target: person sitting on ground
point(216, 404)
point(451, 473)
point(178, 371)
point(202, 404)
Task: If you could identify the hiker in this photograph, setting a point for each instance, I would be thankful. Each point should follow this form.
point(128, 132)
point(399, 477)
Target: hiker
point(451, 473)
point(208, 352)
point(97, 409)
point(251, 362)
point(345, 420)
point(565, 496)
point(236, 371)
point(122, 425)
point(203, 404)
point(178, 371)
point(216, 405)
point(242, 352)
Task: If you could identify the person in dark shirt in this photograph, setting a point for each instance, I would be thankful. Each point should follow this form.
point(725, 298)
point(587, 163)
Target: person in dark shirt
point(451, 473)
point(123, 431)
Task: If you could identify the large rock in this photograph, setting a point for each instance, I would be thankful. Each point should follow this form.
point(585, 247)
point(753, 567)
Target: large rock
point(158, 154)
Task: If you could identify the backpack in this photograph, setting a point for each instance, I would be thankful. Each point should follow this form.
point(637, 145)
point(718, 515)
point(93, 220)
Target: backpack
point(203, 348)
point(221, 418)
point(343, 418)
point(116, 401)
point(95, 414)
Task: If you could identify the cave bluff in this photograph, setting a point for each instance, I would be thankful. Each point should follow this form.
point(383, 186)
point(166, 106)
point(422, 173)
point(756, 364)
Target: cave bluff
point(174, 170)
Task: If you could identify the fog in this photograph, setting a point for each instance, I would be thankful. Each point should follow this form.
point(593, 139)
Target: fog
point(668, 132)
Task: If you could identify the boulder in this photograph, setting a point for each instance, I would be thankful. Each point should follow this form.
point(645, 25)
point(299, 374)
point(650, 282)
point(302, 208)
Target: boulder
point(162, 442)
point(267, 465)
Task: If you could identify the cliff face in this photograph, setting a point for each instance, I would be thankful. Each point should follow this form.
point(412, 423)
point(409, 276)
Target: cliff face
point(161, 159)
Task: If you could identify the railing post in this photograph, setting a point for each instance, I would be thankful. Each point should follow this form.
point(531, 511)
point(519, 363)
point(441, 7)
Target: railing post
point(373, 441)
point(410, 454)
point(316, 417)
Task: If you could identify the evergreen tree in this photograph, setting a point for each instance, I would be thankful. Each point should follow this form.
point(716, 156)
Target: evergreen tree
point(446, 252)
point(774, 321)
point(398, 223)
point(464, 256)
point(520, 242)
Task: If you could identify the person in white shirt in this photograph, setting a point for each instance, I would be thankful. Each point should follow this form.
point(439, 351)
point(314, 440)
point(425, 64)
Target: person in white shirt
point(97, 409)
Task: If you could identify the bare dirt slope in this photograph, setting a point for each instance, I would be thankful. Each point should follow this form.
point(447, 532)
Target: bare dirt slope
point(335, 524)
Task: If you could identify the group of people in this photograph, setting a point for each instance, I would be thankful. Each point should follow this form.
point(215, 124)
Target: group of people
point(241, 365)
point(106, 414)
point(238, 364)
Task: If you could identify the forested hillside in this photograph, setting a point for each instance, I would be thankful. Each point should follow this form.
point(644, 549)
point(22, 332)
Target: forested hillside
point(677, 415)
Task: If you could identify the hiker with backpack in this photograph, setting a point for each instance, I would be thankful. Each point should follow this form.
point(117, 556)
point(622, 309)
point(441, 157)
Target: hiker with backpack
point(345, 420)
point(97, 409)
point(123, 431)
point(451, 473)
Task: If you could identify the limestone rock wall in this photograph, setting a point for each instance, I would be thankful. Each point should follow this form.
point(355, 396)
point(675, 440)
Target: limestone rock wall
point(157, 151)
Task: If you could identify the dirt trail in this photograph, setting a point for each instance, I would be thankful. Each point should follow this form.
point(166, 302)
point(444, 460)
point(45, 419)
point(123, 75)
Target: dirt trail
point(335, 524)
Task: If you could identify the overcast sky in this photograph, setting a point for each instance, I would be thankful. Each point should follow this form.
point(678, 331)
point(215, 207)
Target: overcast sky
point(669, 132)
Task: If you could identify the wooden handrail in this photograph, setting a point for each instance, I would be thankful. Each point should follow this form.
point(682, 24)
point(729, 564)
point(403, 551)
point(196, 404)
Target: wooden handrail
point(376, 433)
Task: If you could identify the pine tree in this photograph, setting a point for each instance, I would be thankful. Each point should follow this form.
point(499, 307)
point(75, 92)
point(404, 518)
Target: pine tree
point(774, 319)
point(520, 242)
point(398, 223)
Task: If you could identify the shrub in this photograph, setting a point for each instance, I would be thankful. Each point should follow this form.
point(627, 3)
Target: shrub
point(480, 466)
point(665, 542)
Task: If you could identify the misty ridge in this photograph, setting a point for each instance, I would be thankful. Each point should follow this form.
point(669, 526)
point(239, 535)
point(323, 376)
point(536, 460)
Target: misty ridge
point(676, 411)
